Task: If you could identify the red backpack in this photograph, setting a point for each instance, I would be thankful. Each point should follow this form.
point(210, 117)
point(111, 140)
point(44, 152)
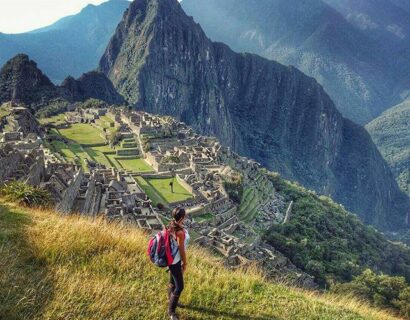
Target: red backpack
point(162, 249)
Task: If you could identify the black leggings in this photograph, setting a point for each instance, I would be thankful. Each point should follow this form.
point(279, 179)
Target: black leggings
point(176, 278)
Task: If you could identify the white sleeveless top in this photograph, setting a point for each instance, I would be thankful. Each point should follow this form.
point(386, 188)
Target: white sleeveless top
point(186, 242)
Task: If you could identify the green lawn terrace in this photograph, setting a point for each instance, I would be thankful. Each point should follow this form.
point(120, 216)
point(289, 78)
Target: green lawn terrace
point(107, 123)
point(159, 190)
point(84, 134)
point(82, 143)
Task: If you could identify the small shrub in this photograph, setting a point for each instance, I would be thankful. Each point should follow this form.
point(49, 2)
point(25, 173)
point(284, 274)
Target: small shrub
point(171, 159)
point(379, 290)
point(26, 195)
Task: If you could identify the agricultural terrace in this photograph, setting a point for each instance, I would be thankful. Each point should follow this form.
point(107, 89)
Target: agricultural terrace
point(83, 133)
point(135, 165)
point(85, 141)
point(159, 190)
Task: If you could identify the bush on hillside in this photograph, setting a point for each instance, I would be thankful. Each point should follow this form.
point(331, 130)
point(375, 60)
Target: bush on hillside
point(92, 103)
point(114, 137)
point(171, 159)
point(234, 189)
point(54, 108)
point(26, 195)
point(380, 290)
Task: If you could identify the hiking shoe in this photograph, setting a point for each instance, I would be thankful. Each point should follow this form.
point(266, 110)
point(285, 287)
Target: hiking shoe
point(173, 317)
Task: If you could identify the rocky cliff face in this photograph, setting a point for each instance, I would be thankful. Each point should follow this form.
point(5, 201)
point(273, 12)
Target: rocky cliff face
point(356, 69)
point(22, 81)
point(159, 59)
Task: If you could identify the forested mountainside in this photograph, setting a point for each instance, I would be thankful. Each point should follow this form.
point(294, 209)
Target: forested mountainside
point(391, 134)
point(70, 46)
point(159, 59)
point(357, 70)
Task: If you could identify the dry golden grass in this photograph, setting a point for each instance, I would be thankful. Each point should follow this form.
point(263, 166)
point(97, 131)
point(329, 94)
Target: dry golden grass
point(55, 267)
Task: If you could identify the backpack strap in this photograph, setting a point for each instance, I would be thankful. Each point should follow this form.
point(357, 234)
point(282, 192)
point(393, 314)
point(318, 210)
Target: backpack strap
point(168, 252)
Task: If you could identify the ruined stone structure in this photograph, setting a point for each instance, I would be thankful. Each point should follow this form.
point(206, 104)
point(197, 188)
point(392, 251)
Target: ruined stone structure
point(199, 164)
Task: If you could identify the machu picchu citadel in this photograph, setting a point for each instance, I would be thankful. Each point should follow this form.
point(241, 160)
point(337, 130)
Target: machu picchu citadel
point(130, 181)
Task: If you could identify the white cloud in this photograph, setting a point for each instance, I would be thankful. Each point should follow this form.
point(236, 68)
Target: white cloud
point(25, 15)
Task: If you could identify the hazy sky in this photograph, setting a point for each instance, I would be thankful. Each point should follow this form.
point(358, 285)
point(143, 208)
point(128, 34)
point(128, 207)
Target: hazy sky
point(25, 15)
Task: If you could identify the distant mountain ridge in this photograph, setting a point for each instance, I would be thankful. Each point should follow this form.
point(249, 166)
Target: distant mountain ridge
point(160, 60)
point(70, 46)
point(356, 70)
point(21, 80)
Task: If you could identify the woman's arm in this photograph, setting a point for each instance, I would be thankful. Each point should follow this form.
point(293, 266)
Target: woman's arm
point(181, 244)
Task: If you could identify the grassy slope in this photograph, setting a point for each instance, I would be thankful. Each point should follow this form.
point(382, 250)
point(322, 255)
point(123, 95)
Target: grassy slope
point(83, 134)
point(56, 267)
point(135, 164)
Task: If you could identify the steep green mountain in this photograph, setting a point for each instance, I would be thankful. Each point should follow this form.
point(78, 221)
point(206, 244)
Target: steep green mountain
point(21, 80)
point(391, 134)
point(72, 45)
point(160, 60)
point(355, 69)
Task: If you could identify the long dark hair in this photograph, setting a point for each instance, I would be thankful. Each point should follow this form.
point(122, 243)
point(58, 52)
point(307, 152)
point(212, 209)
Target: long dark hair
point(177, 215)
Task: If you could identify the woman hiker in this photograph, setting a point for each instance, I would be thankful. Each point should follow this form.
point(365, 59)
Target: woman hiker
point(179, 265)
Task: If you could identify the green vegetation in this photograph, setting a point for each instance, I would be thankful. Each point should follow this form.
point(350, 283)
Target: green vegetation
point(73, 152)
point(252, 194)
point(114, 137)
point(97, 154)
point(25, 194)
point(82, 133)
point(391, 134)
point(150, 191)
point(53, 108)
point(54, 120)
point(329, 243)
point(163, 188)
point(204, 217)
point(146, 144)
point(135, 165)
point(105, 122)
point(171, 159)
point(4, 110)
point(379, 290)
point(55, 267)
point(92, 103)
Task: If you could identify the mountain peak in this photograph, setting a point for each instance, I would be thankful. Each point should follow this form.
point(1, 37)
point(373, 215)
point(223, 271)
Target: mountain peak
point(160, 60)
point(22, 80)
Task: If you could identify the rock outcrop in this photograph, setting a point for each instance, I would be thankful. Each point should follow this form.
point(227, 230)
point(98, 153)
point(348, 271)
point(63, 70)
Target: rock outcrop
point(159, 59)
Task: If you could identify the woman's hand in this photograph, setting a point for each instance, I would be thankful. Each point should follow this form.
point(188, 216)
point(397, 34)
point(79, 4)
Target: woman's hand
point(184, 267)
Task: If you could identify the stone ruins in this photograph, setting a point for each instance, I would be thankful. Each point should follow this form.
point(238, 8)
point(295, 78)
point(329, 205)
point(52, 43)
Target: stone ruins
point(199, 164)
